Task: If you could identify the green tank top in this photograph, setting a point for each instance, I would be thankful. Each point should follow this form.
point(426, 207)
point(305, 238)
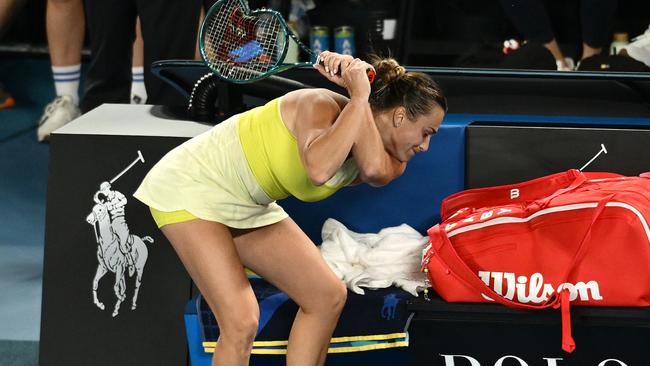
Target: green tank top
point(272, 154)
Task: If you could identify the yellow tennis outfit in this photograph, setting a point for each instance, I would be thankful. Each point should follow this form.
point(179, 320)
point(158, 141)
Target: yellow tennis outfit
point(234, 173)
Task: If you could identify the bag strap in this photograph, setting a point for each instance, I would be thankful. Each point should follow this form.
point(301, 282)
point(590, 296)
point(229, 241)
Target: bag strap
point(532, 190)
point(568, 344)
point(577, 182)
point(582, 248)
point(512, 193)
point(455, 266)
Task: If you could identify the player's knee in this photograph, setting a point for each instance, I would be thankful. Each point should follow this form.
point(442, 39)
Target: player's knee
point(339, 295)
point(240, 333)
point(329, 298)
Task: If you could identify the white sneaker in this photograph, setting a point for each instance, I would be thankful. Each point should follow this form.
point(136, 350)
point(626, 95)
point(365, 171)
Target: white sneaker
point(639, 48)
point(57, 114)
point(565, 65)
point(136, 99)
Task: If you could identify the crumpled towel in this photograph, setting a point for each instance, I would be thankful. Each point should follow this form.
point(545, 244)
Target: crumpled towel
point(390, 257)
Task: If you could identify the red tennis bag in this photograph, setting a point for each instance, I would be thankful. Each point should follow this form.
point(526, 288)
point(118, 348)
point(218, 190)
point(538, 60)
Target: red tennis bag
point(567, 238)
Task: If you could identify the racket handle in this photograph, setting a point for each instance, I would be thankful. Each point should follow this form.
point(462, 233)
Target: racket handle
point(371, 75)
point(369, 72)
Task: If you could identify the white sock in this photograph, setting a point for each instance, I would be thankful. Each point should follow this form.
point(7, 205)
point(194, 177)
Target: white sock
point(138, 91)
point(66, 81)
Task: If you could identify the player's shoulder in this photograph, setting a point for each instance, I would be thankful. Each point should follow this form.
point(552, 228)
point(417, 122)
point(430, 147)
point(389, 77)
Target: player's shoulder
point(321, 99)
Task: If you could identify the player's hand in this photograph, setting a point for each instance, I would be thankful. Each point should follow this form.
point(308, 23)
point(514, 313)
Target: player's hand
point(355, 79)
point(331, 66)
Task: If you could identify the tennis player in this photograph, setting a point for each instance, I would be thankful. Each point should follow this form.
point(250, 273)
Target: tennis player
point(214, 197)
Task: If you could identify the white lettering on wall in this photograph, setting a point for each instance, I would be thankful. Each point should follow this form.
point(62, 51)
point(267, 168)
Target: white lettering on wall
point(500, 361)
point(552, 361)
point(449, 360)
point(606, 362)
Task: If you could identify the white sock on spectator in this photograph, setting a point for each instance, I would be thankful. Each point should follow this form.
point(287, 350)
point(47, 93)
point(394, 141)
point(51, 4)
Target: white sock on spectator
point(66, 81)
point(138, 91)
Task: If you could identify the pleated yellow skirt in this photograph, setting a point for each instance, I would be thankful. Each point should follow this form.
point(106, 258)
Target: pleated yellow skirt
point(208, 177)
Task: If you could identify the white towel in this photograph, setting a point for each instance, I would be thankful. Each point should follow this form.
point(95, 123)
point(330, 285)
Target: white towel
point(390, 257)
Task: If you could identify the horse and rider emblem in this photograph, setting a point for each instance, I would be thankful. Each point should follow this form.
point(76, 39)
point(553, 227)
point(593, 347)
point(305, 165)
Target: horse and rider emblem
point(390, 307)
point(118, 251)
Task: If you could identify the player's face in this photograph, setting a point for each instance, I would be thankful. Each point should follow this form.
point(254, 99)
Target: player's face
point(411, 137)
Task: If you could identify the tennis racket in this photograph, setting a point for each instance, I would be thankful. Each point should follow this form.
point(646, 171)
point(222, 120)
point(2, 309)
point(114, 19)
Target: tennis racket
point(244, 46)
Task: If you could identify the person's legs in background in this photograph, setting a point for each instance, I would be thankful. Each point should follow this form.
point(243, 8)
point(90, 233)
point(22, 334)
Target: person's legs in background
point(639, 48)
point(531, 19)
point(197, 51)
point(7, 9)
point(596, 18)
point(138, 91)
point(111, 27)
point(169, 31)
point(6, 100)
point(65, 26)
point(563, 63)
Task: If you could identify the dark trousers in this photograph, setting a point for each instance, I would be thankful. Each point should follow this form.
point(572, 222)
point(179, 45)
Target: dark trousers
point(169, 29)
point(532, 20)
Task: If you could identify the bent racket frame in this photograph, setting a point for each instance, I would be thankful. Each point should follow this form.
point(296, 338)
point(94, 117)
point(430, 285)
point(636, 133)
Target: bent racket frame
point(244, 46)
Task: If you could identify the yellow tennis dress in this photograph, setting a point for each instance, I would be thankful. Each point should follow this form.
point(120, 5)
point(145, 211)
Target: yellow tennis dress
point(234, 173)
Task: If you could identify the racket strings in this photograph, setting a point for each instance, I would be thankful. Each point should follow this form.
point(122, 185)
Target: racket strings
point(240, 46)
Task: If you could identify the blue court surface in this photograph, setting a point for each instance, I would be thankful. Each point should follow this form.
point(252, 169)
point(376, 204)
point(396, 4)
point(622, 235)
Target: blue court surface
point(23, 186)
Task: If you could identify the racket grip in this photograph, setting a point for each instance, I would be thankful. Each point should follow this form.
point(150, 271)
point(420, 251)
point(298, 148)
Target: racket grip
point(369, 72)
point(371, 75)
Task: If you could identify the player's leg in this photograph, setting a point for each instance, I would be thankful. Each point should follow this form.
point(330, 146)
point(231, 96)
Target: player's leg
point(283, 255)
point(208, 252)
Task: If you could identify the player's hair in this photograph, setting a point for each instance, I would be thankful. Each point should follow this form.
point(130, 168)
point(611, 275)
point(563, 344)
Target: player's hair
point(394, 86)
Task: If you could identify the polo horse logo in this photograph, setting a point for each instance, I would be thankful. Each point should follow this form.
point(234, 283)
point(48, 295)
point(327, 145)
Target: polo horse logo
point(390, 307)
point(117, 249)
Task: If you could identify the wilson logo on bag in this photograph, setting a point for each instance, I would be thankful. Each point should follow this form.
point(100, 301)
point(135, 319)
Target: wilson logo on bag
point(534, 290)
point(567, 238)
